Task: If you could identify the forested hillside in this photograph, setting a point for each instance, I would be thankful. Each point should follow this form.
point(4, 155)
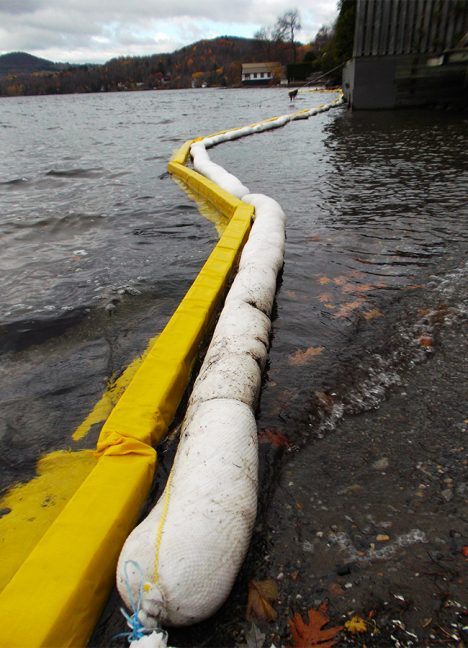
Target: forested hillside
point(215, 62)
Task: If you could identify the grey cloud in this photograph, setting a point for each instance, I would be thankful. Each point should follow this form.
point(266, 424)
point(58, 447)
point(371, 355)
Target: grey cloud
point(16, 7)
point(40, 25)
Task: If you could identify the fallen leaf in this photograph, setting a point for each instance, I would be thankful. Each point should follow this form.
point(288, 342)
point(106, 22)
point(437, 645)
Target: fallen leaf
point(356, 273)
point(426, 341)
point(261, 595)
point(324, 280)
point(356, 625)
point(330, 306)
point(465, 551)
point(299, 357)
point(340, 281)
point(309, 635)
point(349, 307)
point(382, 537)
point(335, 590)
point(325, 297)
point(314, 237)
point(372, 314)
point(360, 288)
point(275, 438)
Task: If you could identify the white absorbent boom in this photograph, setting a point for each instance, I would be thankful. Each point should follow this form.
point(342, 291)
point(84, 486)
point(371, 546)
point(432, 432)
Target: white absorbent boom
point(192, 544)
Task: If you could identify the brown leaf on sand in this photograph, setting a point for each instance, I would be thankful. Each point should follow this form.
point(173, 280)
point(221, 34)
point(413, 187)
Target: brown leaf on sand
point(348, 308)
point(357, 274)
point(324, 280)
point(312, 634)
point(426, 341)
point(357, 288)
point(325, 297)
point(340, 281)
point(314, 237)
point(261, 595)
point(275, 438)
point(299, 358)
point(372, 314)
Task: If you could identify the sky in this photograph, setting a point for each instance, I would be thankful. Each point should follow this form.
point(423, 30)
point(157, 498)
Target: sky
point(93, 31)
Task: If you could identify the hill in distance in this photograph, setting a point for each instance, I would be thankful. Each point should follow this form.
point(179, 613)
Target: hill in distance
point(23, 63)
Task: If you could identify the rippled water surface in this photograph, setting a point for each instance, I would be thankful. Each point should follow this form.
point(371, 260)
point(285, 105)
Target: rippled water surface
point(99, 245)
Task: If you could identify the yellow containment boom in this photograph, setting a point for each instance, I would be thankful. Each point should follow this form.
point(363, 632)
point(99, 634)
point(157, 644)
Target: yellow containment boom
point(57, 595)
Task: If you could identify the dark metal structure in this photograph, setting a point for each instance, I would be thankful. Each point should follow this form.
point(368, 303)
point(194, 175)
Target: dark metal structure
point(392, 27)
point(401, 54)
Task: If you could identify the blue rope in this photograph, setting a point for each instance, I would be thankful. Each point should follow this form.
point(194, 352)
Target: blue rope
point(138, 630)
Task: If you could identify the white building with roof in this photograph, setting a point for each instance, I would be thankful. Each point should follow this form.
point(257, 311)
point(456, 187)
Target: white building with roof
point(261, 73)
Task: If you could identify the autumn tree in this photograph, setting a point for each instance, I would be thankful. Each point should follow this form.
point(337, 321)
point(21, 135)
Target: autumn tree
point(286, 27)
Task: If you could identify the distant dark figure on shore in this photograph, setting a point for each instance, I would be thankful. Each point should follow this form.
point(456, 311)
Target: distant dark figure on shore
point(292, 94)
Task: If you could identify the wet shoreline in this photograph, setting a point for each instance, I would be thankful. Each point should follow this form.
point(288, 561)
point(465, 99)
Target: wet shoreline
point(366, 512)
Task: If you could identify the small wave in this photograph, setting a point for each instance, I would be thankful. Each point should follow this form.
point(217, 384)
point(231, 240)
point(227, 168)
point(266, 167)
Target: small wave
point(406, 341)
point(22, 333)
point(14, 182)
point(75, 173)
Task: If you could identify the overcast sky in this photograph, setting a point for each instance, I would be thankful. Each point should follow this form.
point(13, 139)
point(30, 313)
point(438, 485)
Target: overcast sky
point(93, 31)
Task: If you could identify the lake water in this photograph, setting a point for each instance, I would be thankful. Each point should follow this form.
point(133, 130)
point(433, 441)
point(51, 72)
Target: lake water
point(99, 245)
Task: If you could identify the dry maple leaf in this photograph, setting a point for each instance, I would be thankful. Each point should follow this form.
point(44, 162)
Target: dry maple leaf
point(261, 595)
point(304, 357)
point(356, 625)
point(324, 280)
point(312, 634)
